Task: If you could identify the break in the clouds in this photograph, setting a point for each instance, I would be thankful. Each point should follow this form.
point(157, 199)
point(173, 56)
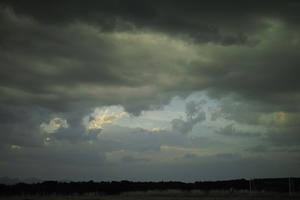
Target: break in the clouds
point(131, 89)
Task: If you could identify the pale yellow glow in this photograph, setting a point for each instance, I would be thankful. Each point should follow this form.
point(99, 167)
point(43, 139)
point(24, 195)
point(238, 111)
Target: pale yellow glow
point(15, 147)
point(177, 150)
point(104, 117)
point(47, 140)
point(158, 129)
point(57, 122)
point(54, 124)
point(279, 117)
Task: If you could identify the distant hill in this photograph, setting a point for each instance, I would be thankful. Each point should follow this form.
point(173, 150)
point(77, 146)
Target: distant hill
point(35, 186)
point(13, 181)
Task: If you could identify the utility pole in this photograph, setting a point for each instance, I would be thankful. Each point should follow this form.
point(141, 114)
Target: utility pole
point(250, 185)
point(290, 186)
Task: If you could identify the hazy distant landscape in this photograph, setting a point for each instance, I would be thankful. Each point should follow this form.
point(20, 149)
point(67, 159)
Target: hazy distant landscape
point(167, 195)
point(284, 188)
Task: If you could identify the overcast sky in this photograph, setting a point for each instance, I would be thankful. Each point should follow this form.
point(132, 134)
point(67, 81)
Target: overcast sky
point(149, 90)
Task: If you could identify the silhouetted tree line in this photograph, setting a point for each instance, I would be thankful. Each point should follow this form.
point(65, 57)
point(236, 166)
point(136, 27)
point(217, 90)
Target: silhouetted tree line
point(114, 187)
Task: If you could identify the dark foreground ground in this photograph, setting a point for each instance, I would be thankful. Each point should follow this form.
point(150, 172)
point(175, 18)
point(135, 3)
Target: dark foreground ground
point(166, 195)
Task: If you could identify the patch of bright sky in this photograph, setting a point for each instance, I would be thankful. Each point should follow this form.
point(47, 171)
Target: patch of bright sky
point(161, 118)
point(154, 119)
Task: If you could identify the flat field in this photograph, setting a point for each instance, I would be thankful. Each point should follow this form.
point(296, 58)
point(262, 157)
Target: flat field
point(167, 195)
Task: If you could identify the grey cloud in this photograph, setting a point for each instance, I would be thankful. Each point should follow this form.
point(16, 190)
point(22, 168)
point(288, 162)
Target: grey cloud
point(138, 139)
point(145, 141)
point(85, 163)
point(258, 149)
point(281, 128)
point(289, 136)
point(21, 126)
point(131, 159)
point(192, 108)
point(181, 126)
point(57, 160)
point(194, 115)
point(75, 133)
point(213, 158)
point(190, 156)
point(228, 156)
point(237, 110)
point(230, 130)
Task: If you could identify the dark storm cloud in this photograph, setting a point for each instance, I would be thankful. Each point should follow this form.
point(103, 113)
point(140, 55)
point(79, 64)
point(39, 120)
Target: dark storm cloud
point(226, 23)
point(63, 62)
point(51, 63)
point(26, 45)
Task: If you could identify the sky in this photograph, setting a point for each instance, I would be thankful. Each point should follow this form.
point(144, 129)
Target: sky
point(149, 90)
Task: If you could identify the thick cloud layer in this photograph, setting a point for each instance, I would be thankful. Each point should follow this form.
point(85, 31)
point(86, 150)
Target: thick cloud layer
point(100, 79)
